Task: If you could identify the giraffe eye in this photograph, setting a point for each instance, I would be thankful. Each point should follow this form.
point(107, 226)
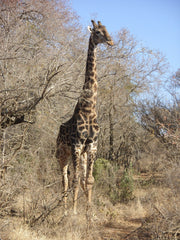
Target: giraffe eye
point(98, 32)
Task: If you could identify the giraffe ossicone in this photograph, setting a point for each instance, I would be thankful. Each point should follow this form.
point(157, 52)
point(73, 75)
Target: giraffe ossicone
point(77, 138)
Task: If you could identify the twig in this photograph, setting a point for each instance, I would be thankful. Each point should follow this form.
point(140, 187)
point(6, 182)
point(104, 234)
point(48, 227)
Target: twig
point(129, 234)
point(159, 211)
point(48, 210)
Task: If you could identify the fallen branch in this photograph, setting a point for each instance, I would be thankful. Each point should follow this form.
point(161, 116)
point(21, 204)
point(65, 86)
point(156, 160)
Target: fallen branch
point(48, 210)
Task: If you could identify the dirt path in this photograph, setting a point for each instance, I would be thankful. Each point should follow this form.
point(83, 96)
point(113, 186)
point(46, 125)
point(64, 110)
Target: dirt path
point(126, 230)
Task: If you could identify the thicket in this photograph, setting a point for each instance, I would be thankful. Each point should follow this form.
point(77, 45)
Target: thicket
point(42, 63)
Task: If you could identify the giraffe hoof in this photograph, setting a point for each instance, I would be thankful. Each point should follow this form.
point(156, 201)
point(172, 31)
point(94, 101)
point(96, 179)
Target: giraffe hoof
point(90, 180)
point(75, 212)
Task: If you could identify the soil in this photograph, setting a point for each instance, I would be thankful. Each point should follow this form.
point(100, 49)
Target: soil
point(131, 229)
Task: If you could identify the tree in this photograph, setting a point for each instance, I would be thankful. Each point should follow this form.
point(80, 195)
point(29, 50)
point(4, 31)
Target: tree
point(162, 120)
point(35, 62)
point(128, 71)
point(30, 54)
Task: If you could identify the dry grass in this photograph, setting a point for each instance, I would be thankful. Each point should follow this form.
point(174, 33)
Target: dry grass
point(22, 232)
point(137, 214)
point(55, 227)
point(33, 209)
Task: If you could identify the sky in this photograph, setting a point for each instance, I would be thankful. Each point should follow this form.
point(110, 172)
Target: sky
point(155, 23)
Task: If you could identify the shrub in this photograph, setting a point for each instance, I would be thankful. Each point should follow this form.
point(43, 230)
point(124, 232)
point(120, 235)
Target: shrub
point(101, 169)
point(127, 186)
point(116, 188)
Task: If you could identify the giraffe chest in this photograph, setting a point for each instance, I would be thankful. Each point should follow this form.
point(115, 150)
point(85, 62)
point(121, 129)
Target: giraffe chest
point(81, 128)
point(87, 127)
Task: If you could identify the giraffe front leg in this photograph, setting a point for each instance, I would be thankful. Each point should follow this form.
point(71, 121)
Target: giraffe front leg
point(76, 152)
point(83, 172)
point(90, 179)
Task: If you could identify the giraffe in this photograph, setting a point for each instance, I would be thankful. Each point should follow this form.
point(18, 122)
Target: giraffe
point(77, 138)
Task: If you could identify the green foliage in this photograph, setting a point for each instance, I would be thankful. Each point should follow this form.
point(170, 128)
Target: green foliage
point(117, 189)
point(127, 186)
point(101, 168)
point(105, 177)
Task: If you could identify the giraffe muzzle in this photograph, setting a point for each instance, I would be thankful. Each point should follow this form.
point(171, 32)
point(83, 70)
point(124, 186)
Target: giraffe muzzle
point(110, 43)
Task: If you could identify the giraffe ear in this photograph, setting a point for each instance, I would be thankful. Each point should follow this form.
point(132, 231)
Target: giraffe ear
point(90, 29)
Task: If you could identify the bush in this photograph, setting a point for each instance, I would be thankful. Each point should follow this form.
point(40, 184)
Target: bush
point(107, 177)
point(101, 169)
point(127, 186)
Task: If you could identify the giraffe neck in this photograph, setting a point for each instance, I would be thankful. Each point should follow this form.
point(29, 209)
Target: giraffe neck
point(89, 94)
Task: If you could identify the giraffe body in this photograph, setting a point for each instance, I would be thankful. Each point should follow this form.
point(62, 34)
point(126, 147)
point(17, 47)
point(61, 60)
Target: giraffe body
point(77, 138)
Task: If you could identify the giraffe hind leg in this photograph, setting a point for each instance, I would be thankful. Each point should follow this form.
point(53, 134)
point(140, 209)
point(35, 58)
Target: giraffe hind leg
point(65, 186)
point(63, 155)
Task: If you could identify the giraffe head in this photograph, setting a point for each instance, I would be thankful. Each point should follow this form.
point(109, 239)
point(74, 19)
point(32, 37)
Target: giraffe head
point(100, 34)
